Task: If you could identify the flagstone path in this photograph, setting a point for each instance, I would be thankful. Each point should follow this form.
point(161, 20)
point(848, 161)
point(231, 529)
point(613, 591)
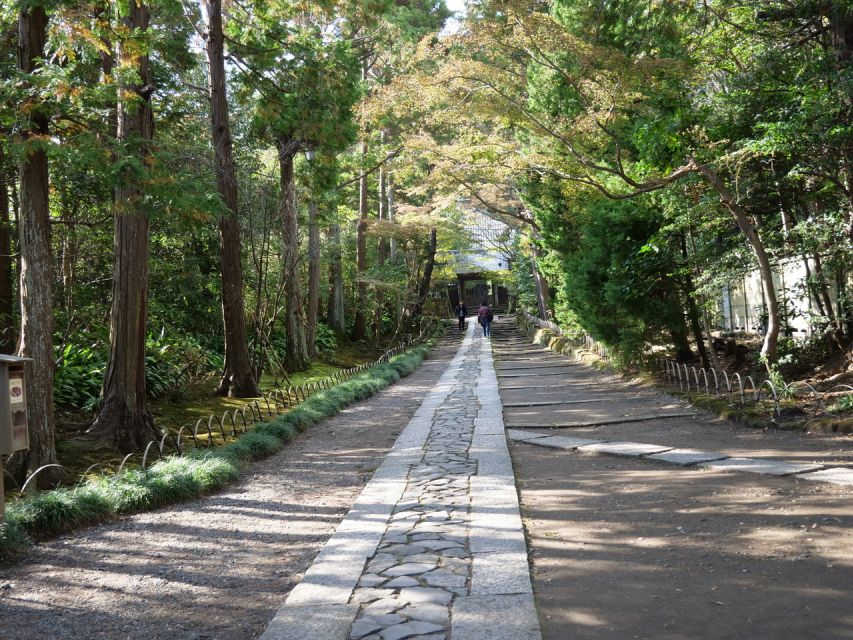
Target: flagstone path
point(434, 546)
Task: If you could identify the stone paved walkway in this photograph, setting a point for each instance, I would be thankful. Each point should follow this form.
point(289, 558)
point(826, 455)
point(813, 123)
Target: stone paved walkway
point(434, 546)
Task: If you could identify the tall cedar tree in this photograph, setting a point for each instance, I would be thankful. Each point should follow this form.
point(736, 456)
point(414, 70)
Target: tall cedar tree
point(238, 378)
point(124, 421)
point(313, 278)
point(296, 350)
point(36, 278)
point(7, 291)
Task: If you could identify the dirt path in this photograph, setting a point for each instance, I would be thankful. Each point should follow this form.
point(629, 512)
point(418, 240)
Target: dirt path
point(631, 549)
point(627, 548)
point(218, 567)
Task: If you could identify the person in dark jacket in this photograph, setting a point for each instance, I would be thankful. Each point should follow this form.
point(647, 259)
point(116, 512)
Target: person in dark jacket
point(485, 317)
point(461, 313)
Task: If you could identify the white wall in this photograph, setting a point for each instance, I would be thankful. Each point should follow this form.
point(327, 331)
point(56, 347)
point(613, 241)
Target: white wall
point(741, 304)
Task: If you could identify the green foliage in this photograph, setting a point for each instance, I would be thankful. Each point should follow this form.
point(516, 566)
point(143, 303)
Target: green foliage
point(171, 362)
point(78, 378)
point(326, 340)
point(844, 405)
point(610, 276)
point(173, 478)
point(12, 538)
point(59, 511)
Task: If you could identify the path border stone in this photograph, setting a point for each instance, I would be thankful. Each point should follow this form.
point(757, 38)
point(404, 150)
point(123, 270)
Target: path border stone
point(324, 606)
point(710, 460)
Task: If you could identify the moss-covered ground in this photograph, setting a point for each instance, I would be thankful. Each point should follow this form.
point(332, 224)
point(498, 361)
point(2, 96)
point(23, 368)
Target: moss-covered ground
point(173, 478)
point(78, 456)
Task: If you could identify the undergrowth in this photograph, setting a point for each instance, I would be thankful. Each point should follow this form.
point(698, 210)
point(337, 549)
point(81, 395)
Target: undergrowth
point(174, 479)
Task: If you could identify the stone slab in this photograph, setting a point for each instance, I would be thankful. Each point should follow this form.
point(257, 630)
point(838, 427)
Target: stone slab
point(537, 367)
point(686, 457)
point(521, 435)
point(488, 426)
point(495, 618)
point(490, 442)
point(319, 622)
point(500, 573)
point(532, 375)
point(562, 442)
point(602, 422)
point(631, 449)
point(760, 465)
point(835, 475)
point(498, 533)
point(550, 403)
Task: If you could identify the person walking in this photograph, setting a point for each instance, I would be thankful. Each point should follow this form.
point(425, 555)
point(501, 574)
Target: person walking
point(485, 317)
point(461, 312)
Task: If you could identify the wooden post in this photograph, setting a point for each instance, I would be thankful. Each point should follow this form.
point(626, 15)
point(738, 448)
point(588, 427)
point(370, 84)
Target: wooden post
point(2, 494)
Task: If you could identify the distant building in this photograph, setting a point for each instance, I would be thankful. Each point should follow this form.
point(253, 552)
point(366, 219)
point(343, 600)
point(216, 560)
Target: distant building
point(742, 307)
point(478, 267)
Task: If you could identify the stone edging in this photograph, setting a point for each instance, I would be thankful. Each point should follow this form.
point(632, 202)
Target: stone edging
point(499, 602)
point(688, 457)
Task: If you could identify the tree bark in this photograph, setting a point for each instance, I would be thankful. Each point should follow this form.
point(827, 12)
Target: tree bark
point(543, 293)
point(381, 249)
point(392, 245)
point(359, 327)
point(7, 292)
point(36, 339)
point(313, 279)
point(296, 350)
point(771, 338)
point(696, 327)
point(337, 322)
point(681, 344)
point(692, 310)
point(841, 38)
point(423, 289)
point(238, 378)
point(124, 421)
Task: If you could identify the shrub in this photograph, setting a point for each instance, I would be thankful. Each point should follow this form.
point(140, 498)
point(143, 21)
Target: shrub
point(170, 363)
point(844, 405)
point(12, 536)
point(60, 510)
point(174, 479)
point(326, 341)
point(79, 376)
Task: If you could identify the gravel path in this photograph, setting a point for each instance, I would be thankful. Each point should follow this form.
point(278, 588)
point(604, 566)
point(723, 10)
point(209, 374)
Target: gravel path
point(624, 547)
point(218, 567)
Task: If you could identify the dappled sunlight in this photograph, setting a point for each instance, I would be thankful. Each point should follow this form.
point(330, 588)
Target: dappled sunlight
point(681, 545)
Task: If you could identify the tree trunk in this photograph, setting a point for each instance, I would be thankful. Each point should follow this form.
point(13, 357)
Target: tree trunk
point(337, 322)
point(423, 289)
point(543, 293)
point(771, 338)
point(392, 245)
point(36, 340)
point(692, 311)
point(7, 292)
point(841, 37)
point(681, 344)
point(124, 421)
point(696, 328)
point(238, 378)
point(359, 328)
point(296, 350)
point(381, 249)
point(313, 279)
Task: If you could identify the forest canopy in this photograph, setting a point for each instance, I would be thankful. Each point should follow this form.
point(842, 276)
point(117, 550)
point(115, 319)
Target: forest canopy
point(225, 192)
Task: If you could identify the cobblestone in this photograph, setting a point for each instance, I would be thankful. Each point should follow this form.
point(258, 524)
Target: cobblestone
point(450, 493)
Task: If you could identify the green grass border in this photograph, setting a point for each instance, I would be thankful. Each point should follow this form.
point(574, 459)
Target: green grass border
point(178, 478)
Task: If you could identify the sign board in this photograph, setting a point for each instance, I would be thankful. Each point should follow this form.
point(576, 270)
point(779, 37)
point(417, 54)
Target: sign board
point(14, 428)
